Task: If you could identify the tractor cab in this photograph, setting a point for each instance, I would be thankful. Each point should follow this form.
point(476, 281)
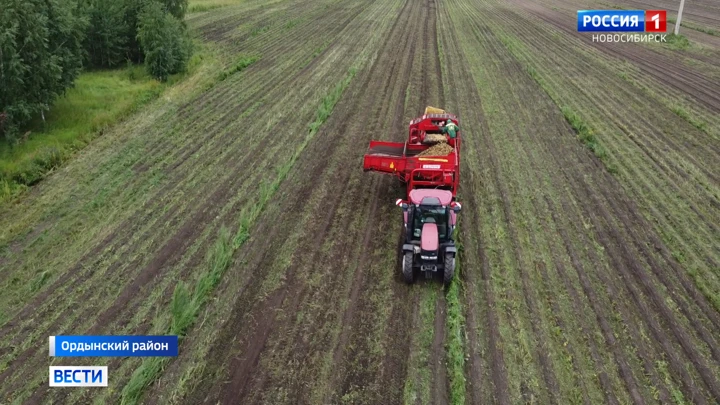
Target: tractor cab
point(430, 213)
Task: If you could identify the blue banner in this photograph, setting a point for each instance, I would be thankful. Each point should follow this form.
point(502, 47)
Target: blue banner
point(113, 346)
point(611, 20)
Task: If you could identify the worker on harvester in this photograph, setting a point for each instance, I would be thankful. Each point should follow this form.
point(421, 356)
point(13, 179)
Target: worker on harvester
point(450, 128)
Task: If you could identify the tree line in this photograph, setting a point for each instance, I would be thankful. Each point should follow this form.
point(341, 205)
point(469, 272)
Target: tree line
point(45, 44)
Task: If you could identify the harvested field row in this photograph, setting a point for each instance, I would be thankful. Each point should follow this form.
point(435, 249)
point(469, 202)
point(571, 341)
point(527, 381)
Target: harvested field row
point(677, 175)
point(594, 284)
point(588, 237)
point(357, 330)
point(702, 12)
point(145, 240)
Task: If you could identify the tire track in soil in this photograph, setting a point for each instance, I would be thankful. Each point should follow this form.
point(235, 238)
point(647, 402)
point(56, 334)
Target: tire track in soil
point(438, 356)
point(689, 290)
point(393, 374)
point(432, 27)
point(649, 259)
point(672, 74)
point(496, 373)
point(159, 262)
point(686, 283)
point(252, 358)
point(610, 243)
point(681, 276)
point(548, 373)
point(439, 390)
point(66, 278)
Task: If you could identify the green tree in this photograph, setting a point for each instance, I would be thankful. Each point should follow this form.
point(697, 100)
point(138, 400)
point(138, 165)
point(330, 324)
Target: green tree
point(132, 11)
point(41, 54)
point(164, 41)
point(176, 7)
point(108, 35)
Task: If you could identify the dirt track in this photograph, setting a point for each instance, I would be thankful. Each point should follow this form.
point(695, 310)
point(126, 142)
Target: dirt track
point(587, 277)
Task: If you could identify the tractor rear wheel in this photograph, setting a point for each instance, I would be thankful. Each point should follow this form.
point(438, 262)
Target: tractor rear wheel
point(449, 268)
point(407, 267)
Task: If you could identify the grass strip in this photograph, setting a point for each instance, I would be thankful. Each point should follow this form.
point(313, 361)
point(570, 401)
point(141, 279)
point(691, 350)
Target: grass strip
point(98, 100)
point(455, 330)
point(583, 130)
point(682, 113)
point(694, 27)
point(200, 6)
point(186, 304)
point(242, 63)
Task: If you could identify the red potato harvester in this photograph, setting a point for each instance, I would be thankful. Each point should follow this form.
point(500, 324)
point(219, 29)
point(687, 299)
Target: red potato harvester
point(429, 210)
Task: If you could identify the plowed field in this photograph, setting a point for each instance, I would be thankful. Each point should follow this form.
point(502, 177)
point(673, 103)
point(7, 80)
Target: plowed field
point(234, 211)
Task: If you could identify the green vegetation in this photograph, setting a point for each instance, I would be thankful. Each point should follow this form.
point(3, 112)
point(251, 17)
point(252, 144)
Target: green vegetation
point(114, 25)
point(44, 45)
point(418, 383)
point(184, 308)
point(98, 100)
point(40, 56)
point(259, 30)
point(243, 62)
point(583, 131)
point(695, 27)
point(40, 130)
point(455, 346)
point(185, 305)
point(682, 113)
point(164, 41)
point(232, 211)
point(200, 6)
point(677, 41)
point(109, 41)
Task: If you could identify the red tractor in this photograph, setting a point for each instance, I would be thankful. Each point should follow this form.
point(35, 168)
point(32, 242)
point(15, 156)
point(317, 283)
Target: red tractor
point(429, 210)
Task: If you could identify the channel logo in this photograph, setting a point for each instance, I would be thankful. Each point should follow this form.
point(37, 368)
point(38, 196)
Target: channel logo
point(78, 376)
point(622, 20)
point(655, 20)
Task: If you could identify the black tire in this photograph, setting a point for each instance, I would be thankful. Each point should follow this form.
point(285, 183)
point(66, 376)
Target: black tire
point(407, 267)
point(449, 268)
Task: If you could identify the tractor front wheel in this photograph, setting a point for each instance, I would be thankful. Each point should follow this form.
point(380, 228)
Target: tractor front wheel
point(407, 267)
point(449, 268)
